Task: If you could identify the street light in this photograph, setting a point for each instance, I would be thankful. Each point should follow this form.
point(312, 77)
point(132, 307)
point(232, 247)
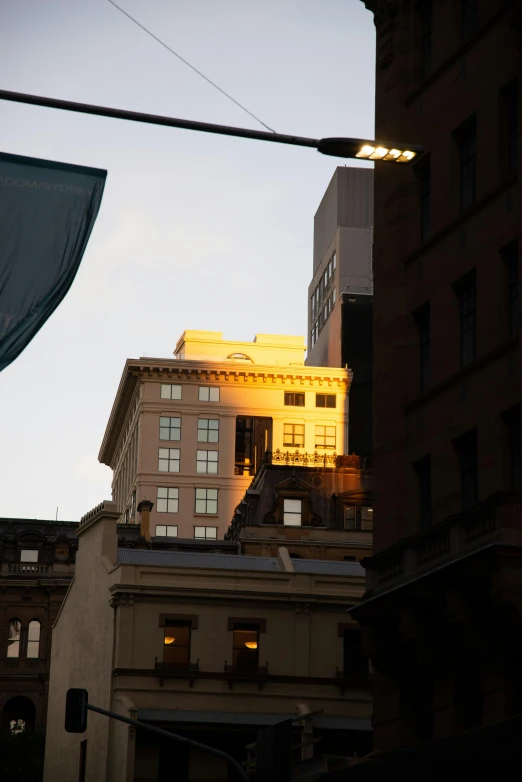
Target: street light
point(337, 147)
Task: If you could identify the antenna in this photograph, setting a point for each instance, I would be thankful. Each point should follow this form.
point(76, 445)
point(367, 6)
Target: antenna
point(57, 513)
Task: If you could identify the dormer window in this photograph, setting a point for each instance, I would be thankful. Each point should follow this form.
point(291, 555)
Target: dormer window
point(29, 555)
point(292, 512)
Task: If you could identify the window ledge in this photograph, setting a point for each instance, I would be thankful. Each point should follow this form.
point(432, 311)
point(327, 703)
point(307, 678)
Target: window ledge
point(462, 374)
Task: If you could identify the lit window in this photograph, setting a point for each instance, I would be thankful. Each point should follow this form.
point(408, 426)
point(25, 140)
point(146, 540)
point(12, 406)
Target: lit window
point(293, 435)
point(166, 530)
point(207, 462)
point(298, 400)
point(29, 555)
point(176, 643)
point(325, 400)
point(206, 501)
point(170, 391)
point(350, 517)
point(209, 393)
point(366, 518)
point(245, 650)
point(205, 533)
point(208, 430)
point(325, 436)
point(292, 513)
point(33, 639)
point(170, 428)
point(168, 460)
point(167, 500)
point(13, 638)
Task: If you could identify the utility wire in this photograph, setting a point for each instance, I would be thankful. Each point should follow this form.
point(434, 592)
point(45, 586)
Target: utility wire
point(192, 67)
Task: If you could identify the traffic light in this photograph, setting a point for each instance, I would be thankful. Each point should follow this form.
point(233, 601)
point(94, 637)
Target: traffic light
point(76, 711)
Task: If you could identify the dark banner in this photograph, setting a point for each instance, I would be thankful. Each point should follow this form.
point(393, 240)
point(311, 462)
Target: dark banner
point(47, 213)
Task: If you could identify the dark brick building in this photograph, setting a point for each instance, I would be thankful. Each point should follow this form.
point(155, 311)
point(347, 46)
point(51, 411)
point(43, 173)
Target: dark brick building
point(442, 614)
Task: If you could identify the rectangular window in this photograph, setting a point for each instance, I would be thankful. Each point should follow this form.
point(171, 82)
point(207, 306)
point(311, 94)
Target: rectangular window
point(512, 423)
point(205, 533)
point(469, 18)
point(209, 393)
point(176, 643)
point(466, 450)
point(292, 511)
point(466, 292)
point(207, 462)
point(166, 530)
point(293, 435)
point(208, 430)
point(509, 255)
point(170, 428)
point(325, 400)
point(245, 650)
point(167, 499)
point(350, 517)
point(366, 518)
point(423, 472)
point(170, 391)
point(466, 138)
point(29, 555)
point(426, 14)
point(168, 459)
point(424, 174)
point(206, 501)
point(33, 640)
point(324, 436)
point(422, 317)
point(355, 662)
point(298, 400)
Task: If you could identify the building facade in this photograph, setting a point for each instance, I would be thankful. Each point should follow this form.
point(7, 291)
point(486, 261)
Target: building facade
point(442, 614)
point(211, 646)
point(340, 297)
point(189, 433)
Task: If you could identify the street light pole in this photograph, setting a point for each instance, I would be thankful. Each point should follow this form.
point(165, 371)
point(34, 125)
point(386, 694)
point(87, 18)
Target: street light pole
point(338, 147)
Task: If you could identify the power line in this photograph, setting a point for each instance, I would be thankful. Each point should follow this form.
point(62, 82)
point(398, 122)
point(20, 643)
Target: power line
point(192, 67)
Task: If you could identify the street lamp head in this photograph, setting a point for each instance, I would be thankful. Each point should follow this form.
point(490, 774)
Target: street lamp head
point(369, 150)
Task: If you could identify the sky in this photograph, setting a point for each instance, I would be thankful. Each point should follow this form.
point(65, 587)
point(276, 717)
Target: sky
point(194, 231)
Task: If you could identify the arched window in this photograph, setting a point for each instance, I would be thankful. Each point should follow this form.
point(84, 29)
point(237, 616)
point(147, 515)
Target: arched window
point(240, 357)
point(33, 639)
point(13, 638)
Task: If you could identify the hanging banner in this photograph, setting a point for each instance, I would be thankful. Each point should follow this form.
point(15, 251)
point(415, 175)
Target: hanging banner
point(47, 213)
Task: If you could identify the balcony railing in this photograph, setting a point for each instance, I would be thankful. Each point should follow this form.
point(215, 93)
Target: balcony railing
point(176, 667)
point(455, 536)
point(28, 569)
point(19, 666)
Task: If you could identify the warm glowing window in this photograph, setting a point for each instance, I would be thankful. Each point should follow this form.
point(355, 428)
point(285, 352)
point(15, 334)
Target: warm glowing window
point(170, 391)
point(208, 430)
point(33, 639)
point(325, 400)
point(167, 499)
point(209, 393)
point(292, 512)
point(325, 436)
point(297, 400)
point(13, 638)
point(207, 462)
point(166, 530)
point(293, 435)
point(206, 501)
point(176, 643)
point(168, 459)
point(245, 648)
point(170, 428)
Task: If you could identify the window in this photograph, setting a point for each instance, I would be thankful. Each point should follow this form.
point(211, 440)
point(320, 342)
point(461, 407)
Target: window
point(466, 292)
point(245, 650)
point(355, 662)
point(366, 518)
point(510, 96)
point(29, 555)
point(166, 530)
point(168, 460)
point(358, 517)
point(33, 639)
point(176, 643)
point(324, 436)
point(170, 391)
point(424, 174)
point(426, 14)
point(469, 18)
point(170, 428)
point(422, 317)
point(13, 638)
point(205, 533)
point(167, 500)
point(298, 400)
point(325, 400)
point(466, 138)
point(466, 450)
point(209, 393)
point(510, 257)
point(512, 423)
point(423, 472)
point(208, 430)
point(206, 501)
point(350, 517)
point(292, 510)
point(207, 462)
point(293, 435)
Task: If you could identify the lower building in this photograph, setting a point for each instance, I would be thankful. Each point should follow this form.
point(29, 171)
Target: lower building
point(212, 646)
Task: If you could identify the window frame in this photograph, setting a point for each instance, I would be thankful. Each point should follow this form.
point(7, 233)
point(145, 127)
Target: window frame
point(172, 428)
point(292, 518)
point(238, 645)
point(208, 429)
point(168, 499)
point(327, 398)
point(469, 18)
point(466, 290)
point(325, 436)
point(29, 645)
point(291, 398)
point(206, 500)
point(466, 449)
point(169, 626)
point(206, 536)
point(423, 321)
point(17, 624)
point(167, 527)
point(31, 560)
point(211, 391)
point(466, 138)
point(206, 462)
point(509, 256)
point(171, 386)
point(169, 459)
point(289, 438)
point(422, 469)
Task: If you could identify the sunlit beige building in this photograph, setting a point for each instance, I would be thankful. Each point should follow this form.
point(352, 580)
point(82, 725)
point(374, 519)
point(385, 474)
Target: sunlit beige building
point(188, 433)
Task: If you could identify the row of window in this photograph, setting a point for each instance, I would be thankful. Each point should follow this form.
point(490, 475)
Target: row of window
point(175, 391)
point(297, 399)
point(169, 461)
point(323, 299)
point(468, 25)
point(211, 394)
point(466, 292)
point(171, 531)
point(294, 436)
point(466, 452)
point(23, 641)
point(170, 429)
point(205, 500)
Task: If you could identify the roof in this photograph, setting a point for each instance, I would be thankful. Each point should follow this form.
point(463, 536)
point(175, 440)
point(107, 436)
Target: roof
point(194, 559)
point(254, 719)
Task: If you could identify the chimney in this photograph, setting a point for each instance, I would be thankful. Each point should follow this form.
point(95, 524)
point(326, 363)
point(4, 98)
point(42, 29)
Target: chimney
point(144, 509)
